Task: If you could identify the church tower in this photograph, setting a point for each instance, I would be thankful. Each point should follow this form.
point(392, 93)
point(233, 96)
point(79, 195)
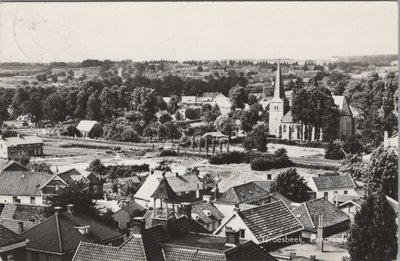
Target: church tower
point(278, 106)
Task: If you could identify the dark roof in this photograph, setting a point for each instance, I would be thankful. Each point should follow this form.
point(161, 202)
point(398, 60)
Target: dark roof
point(144, 247)
point(270, 221)
point(164, 191)
point(276, 196)
point(308, 213)
point(72, 176)
point(333, 182)
point(13, 166)
point(59, 234)
point(209, 248)
point(185, 225)
point(246, 192)
point(200, 208)
point(22, 183)
point(8, 237)
point(133, 208)
point(24, 212)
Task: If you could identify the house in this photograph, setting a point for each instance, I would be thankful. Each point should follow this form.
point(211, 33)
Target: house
point(282, 124)
point(267, 225)
point(224, 103)
point(334, 220)
point(95, 185)
point(19, 217)
point(124, 216)
point(254, 192)
point(189, 100)
point(90, 129)
point(12, 245)
point(12, 166)
point(331, 185)
point(392, 142)
point(203, 212)
point(23, 187)
point(21, 145)
point(187, 187)
point(351, 207)
point(156, 243)
point(58, 237)
point(127, 184)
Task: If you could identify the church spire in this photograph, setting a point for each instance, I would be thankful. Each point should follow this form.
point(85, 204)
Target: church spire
point(279, 91)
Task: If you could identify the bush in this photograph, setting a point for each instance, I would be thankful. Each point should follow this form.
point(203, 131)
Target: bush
point(168, 153)
point(334, 151)
point(272, 162)
point(229, 158)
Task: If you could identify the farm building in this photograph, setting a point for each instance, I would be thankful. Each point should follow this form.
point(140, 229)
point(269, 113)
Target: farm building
point(21, 145)
point(90, 129)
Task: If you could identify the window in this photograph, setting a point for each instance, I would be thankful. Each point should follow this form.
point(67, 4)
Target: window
point(10, 257)
point(57, 188)
point(345, 192)
point(33, 200)
point(284, 128)
point(50, 258)
point(269, 176)
point(16, 200)
point(242, 233)
point(326, 195)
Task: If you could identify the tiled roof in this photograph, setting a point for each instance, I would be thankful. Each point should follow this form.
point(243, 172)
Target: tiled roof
point(200, 208)
point(24, 212)
point(183, 183)
point(22, 183)
point(174, 254)
point(86, 126)
point(333, 182)
point(278, 196)
point(270, 221)
point(22, 140)
point(58, 233)
point(8, 237)
point(309, 212)
point(71, 176)
point(248, 251)
point(133, 208)
point(13, 166)
point(185, 225)
point(144, 247)
point(246, 192)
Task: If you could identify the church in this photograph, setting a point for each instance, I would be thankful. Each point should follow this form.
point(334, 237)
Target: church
point(281, 124)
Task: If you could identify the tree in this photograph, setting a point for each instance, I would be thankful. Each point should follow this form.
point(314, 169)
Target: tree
point(144, 100)
point(252, 99)
point(39, 167)
point(93, 111)
point(178, 116)
point(173, 104)
point(249, 119)
point(165, 117)
point(54, 108)
point(290, 184)
point(97, 167)
point(373, 234)
point(72, 131)
point(192, 114)
point(77, 194)
point(239, 96)
point(382, 172)
point(171, 130)
point(257, 139)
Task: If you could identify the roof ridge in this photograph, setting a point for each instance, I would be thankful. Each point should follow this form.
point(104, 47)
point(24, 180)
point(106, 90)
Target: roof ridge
point(59, 233)
point(275, 202)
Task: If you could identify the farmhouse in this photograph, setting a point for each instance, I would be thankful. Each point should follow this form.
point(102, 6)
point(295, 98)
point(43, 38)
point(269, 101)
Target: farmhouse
point(334, 220)
point(332, 185)
point(58, 237)
point(21, 145)
point(124, 216)
point(264, 224)
point(90, 129)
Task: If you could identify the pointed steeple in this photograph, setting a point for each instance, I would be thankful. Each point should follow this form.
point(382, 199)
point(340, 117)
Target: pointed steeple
point(279, 91)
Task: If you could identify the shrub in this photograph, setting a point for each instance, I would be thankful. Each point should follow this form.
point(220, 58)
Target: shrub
point(268, 163)
point(229, 158)
point(168, 153)
point(334, 151)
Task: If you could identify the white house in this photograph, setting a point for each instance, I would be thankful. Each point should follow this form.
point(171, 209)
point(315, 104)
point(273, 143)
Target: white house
point(332, 185)
point(20, 145)
point(90, 129)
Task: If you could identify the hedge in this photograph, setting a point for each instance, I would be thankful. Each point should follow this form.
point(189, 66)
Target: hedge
point(271, 162)
point(167, 153)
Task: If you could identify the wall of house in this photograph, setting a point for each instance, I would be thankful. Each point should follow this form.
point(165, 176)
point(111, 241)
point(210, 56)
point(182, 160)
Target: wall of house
point(225, 208)
point(18, 254)
point(23, 200)
point(345, 126)
point(26, 149)
point(350, 210)
point(3, 150)
point(331, 193)
point(39, 256)
point(237, 223)
point(290, 131)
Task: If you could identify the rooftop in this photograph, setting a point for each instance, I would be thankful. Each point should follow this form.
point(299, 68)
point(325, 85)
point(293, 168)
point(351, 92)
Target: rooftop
point(8, 237)
point(22, 183)
point(86, 126)
point(246, 192)
point(21, 140)
point(333, 182)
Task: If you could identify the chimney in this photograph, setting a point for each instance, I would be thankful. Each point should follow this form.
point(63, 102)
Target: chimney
point(236, 208)
point(198, 191)
point(320, 234)
point(186, 209)
point(216, 192)
point(57, 210)
point(232, 237)
point(20, 227)
point(19, 135)
point(70, 208)
point(207, 198)
point(138, 226)
point(176, 174)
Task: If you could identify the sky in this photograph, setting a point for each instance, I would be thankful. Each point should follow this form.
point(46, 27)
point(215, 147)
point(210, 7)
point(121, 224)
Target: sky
point(71, 32)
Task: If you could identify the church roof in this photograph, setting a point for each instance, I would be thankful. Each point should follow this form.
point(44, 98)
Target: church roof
point(279, 91)
point(288, 118)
